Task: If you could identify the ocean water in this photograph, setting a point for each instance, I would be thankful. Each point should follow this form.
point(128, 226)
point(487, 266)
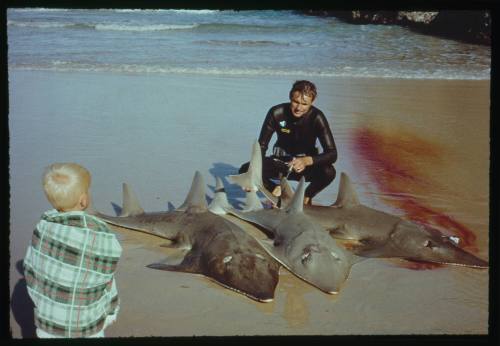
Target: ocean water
point(280, 43)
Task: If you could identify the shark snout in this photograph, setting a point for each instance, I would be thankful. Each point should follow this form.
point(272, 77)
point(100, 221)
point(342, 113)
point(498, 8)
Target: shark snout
point(322, 267)
point(425, 244)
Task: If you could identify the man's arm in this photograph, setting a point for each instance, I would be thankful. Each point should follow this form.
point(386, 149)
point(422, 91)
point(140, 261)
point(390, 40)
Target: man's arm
point(266, 132)
point(329, 154)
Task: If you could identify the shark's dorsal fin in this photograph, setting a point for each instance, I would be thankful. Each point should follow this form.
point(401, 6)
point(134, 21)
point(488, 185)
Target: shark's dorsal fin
point(286, 191)
point(252, 178)
point(131, 205)
point(347, 196)
point(252, 201)
point(219, 204)
point(195, 201)
point(297, 203)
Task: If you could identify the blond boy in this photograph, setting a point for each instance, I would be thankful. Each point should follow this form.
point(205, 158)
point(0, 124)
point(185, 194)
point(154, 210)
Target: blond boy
point(70, 264)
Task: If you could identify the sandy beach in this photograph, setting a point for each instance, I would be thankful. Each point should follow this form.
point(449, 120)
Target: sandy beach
point(155, 131)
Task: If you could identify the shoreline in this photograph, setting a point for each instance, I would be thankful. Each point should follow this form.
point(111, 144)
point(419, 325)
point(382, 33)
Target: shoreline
point(248, 74)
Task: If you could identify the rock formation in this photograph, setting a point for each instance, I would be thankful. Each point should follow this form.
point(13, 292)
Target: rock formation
point(467, 26)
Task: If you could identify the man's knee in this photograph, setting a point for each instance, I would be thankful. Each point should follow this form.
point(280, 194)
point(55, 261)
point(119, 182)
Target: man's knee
point(328, 173)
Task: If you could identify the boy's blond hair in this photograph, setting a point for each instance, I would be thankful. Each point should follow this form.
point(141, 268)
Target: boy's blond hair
point(64, 184)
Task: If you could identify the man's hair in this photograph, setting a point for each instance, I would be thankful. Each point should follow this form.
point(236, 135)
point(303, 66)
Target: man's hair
point(64, 183)
point(305, 88)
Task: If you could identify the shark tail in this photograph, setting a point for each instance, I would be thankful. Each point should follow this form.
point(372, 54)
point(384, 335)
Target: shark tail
point(219, 204)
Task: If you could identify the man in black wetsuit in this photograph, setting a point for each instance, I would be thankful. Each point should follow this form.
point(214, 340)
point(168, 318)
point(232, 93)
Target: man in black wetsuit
point(298, 124)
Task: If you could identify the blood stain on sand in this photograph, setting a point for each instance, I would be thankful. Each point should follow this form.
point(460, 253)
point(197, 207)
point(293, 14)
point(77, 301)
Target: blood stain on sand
point(397, 160)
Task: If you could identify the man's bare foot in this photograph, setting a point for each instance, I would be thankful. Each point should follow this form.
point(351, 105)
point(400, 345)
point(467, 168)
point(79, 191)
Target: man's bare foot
point(307, 201)
point(277, 191)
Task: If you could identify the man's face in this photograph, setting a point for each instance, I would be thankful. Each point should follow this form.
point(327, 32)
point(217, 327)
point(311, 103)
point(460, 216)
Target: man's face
point(300, 104)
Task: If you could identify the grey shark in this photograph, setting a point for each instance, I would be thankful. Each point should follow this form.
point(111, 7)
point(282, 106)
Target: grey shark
point(213, 246)
point(374, 233)
point(379, 234)
point(299, 244)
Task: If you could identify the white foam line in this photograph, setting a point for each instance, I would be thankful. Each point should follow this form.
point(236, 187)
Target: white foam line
point(140, 69)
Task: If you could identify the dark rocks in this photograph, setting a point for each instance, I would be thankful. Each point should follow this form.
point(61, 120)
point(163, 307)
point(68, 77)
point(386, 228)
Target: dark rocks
point(467, 26)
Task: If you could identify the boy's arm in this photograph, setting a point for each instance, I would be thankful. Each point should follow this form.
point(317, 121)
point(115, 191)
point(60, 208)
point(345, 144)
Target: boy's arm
point(114, 299)
point(115, 250)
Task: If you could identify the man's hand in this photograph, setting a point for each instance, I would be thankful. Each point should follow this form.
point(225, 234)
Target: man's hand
point(300, 163)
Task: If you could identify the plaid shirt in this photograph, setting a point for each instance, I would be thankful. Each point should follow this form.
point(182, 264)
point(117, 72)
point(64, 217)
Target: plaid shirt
point(69, 269)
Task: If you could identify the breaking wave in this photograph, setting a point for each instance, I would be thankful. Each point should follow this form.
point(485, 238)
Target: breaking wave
point(153, 27)
point(114, 27)
point(62, 66)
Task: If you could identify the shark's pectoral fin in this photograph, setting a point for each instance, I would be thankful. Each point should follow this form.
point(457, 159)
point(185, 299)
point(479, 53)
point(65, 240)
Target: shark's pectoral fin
point(177, 245)
point(185, 264)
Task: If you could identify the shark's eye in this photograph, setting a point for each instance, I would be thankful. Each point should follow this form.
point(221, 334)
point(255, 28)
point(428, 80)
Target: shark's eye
point(452, 239)
point(336, 230)
point(258, 255)
point(429, 244)
point(306, 256)
point(366, 241)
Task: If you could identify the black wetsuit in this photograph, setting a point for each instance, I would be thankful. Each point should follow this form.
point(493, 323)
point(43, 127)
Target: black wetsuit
point(297, 137)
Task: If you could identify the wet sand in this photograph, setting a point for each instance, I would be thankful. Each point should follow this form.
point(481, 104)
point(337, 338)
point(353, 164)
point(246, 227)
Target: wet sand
point(155, 131)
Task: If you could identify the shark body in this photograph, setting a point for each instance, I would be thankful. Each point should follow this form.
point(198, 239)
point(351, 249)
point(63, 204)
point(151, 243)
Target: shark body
point(212, 245)
point(298, 243)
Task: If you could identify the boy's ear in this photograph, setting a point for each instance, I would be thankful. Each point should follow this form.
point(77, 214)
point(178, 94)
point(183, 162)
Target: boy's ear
point(84, 201)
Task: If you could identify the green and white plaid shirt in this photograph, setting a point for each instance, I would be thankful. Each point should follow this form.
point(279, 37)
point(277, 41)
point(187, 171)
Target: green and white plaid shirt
point(69, 269)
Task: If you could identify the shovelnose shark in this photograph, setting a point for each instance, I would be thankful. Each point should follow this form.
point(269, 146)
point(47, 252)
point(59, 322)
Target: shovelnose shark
point(376, 233)
point(298, 243)
point(214, 246)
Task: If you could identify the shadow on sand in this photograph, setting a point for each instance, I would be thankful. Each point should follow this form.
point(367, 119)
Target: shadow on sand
point(22, 306)
point(235, 194)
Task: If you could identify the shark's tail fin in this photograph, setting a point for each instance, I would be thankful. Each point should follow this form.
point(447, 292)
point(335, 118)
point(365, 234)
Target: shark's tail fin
point(219, 204)
point(131, 205)
point(195, 200)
